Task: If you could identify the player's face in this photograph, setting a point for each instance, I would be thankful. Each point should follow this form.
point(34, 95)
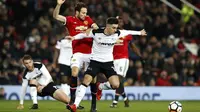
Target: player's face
point(29, 64)
point(82, 13)
point(112, 28)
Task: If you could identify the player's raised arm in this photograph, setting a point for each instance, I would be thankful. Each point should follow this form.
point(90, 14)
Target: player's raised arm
point(56, 12)
point(22, 94)
point(132, 32)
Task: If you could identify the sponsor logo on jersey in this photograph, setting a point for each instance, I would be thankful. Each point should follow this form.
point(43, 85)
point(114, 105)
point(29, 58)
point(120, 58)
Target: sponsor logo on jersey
point(106, 44)
point(81, 28)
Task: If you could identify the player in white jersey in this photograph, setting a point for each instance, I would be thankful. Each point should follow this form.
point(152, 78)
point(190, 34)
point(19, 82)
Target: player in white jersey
point(37, 75)
point(101, 56)
point(62, 57)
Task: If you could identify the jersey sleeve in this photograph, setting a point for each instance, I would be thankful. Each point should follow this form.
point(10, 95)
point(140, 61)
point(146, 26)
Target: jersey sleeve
point(46, 73)
point(58, 44)
point(129, 32)
point(23, 90)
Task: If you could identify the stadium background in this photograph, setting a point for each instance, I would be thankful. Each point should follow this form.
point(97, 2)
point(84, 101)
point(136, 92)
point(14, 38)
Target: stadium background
point(171, 49)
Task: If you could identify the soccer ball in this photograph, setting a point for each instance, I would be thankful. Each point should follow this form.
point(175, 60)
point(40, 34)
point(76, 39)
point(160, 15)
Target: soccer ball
point(175, 106)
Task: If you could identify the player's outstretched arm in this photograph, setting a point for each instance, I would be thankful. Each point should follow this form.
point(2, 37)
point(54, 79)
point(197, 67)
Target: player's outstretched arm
point(143, 32)
point(57, 11)
point(132, 32)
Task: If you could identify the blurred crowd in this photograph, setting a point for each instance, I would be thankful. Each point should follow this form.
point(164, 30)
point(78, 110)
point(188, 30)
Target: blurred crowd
point(28, 27)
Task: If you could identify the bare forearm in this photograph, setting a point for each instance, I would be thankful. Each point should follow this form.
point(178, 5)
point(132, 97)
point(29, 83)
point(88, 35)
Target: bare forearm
point(56, 11)
point(135, 49)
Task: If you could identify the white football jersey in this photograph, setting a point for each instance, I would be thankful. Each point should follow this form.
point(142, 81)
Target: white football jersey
point(65, 47)
point(102, 48)
point(40, 73)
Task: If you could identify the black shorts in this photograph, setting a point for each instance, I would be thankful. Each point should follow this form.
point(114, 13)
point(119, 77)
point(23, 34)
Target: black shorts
point(64, 70)
point(48, 90)
point(96, 67)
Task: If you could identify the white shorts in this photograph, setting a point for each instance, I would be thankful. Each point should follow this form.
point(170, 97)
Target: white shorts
point(121, 66)
point(80, 60)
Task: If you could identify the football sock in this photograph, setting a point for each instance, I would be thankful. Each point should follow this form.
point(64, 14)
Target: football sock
point(33, 92)
point(116, 98)
point(93, 89)
point(105, 86)
point(66, 89)
point(80, 94)
point(73, 87)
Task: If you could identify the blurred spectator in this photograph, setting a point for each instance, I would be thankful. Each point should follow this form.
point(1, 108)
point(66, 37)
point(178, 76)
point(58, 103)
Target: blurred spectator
point(163, 79)
point(2, 93)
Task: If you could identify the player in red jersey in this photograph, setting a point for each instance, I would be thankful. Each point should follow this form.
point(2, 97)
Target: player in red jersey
point(78, 23)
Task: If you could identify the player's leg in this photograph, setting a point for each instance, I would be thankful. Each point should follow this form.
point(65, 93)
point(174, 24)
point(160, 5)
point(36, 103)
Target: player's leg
point(120, 92)
point(65, 74)
point(113, 79)
point(92, 70)
point(93, 89)
point(75, 65)
point(121, 67)
point(53, 91)
point(33, 92)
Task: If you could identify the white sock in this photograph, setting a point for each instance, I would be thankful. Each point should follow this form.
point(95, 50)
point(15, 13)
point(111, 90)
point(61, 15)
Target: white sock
point(33, 92)
point(105, 86)
point(115, 101)
point(80, 93)
point(66, 89)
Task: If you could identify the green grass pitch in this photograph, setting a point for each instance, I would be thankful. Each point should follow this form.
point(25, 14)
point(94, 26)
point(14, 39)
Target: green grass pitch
point(102, 106)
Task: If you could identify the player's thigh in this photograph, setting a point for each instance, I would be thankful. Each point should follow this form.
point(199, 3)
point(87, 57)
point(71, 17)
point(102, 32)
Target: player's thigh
point(121, 66)
point(48, 90)
point(77, 61)
point(65, 73)
point(93, 69)
point(86, 60)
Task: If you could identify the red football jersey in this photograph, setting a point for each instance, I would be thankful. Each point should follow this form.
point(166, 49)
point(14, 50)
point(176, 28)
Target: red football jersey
point(75, 26)
point(121, 50)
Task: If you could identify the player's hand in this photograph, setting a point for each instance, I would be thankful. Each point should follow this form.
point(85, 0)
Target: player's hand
point(143, 32)
point(69, 37)
point(60, 2)
point(95, 26)
point(20, 107)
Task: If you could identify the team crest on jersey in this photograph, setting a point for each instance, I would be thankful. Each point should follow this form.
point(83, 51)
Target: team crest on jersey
point(85, 22)
point(73, 60)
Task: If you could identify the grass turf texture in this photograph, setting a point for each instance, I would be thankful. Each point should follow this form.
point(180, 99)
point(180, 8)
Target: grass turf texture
point(102, 106)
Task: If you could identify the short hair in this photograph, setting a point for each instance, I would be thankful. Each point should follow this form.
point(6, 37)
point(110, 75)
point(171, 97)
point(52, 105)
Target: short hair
point(26, 57)
point(79, 6)
point(112, 20)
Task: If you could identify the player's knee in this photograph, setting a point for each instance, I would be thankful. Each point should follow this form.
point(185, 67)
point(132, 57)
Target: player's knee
point(75, 71)
point(115, 85)
point(87, 79)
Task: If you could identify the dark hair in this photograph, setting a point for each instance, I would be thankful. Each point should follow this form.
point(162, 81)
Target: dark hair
point(79, 6)
point(112, 20)
point(26, 57)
